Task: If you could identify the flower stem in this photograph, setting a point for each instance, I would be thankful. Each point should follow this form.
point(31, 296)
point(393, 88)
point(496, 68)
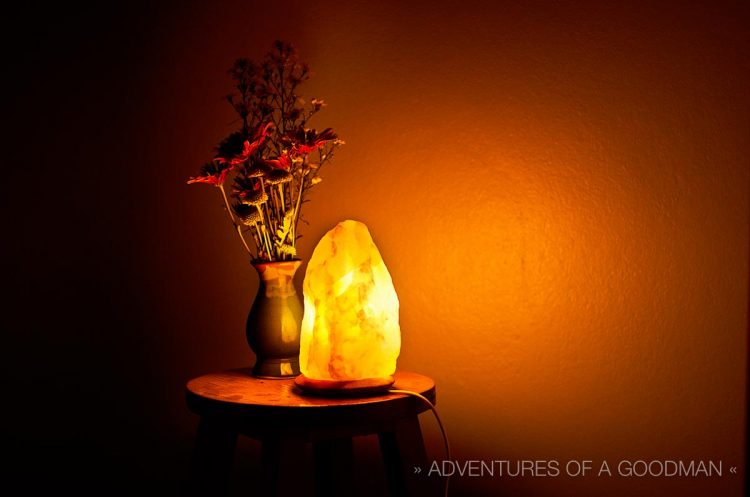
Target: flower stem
point(264, 235)
point(275, 207)
point(231, 217)
point(281, 196)
point(295, 217)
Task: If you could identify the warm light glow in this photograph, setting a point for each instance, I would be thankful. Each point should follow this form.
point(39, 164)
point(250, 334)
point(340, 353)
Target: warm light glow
point(350, 329)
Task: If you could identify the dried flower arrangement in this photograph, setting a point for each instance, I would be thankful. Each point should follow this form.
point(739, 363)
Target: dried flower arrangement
point(274, 158)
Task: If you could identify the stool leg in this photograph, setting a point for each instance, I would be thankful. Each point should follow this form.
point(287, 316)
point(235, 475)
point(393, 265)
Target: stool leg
point(334, 468)
point(283, 466)
point(403, 450)
point(211, 466)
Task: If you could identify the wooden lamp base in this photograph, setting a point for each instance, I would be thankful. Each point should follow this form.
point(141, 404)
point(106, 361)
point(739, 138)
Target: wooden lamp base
point(343, 388)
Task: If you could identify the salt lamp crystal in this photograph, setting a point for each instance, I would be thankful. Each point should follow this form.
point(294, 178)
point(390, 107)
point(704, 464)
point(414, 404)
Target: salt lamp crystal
point(350, 328)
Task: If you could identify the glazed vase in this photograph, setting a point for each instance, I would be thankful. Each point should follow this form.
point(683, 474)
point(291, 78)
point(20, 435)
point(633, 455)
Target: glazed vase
point(273, 325)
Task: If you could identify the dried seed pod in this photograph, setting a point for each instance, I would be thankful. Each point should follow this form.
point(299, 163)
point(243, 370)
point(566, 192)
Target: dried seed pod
point(254, 197)
point(288, 250)
point(256, 171)
point(278, 176)
point(246, 213)
point(250, 216)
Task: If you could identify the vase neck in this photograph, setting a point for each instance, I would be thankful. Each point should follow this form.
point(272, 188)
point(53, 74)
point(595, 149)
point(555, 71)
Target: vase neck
point(277, 278)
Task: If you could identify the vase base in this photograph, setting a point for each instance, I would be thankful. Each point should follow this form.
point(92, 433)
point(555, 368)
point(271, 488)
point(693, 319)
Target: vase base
point(276, 368)
point(344, 388)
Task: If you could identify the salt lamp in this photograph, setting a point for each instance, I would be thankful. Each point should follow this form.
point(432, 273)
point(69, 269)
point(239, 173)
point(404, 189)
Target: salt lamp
point(350, 337)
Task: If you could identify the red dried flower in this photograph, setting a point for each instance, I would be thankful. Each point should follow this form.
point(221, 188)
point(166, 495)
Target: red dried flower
point(283, 162)
point(248, 148)
point(304, 141)
point(212, 173)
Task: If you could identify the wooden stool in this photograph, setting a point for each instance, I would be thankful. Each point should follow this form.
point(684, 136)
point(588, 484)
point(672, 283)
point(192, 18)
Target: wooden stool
point(274, 412)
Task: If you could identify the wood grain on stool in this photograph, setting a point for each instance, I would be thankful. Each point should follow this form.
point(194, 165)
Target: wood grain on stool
point(277, 414)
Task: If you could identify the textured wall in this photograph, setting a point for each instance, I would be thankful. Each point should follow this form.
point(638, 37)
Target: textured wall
point(560, 191)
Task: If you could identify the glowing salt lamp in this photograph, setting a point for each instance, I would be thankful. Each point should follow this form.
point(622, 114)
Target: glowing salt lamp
point(350, 337)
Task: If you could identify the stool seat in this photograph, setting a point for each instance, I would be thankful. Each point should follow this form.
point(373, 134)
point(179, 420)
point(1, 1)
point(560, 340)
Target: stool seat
point(276, 413)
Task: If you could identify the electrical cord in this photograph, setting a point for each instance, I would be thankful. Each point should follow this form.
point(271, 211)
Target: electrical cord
point(431, 406)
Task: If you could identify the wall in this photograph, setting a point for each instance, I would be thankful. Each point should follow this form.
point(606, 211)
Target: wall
point(560, 191)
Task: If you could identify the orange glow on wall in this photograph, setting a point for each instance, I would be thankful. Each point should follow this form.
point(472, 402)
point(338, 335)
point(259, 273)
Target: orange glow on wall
point(350, 330)
point(560, 191)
